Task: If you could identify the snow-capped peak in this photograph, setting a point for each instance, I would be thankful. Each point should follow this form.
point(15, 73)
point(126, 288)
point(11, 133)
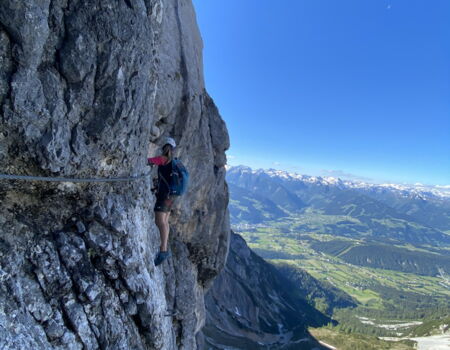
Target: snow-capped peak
point(416, 190)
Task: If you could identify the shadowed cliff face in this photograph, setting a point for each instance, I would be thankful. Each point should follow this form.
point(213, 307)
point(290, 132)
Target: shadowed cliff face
point(87, 88)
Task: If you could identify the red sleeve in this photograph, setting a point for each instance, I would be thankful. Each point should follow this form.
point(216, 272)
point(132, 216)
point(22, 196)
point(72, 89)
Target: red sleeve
point(161, 160)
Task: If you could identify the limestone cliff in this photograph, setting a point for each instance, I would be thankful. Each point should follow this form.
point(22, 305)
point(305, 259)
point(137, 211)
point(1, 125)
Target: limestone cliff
point(87, 88)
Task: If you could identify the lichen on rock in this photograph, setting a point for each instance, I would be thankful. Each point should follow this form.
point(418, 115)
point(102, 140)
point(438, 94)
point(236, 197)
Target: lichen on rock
point(87, 89)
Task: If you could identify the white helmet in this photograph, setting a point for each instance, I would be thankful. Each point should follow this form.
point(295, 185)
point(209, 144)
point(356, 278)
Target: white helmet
point(170, 141)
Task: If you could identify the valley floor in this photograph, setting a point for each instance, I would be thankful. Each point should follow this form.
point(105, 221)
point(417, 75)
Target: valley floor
point(434, 342)
point(345, 341)
point(391, 303)
point(372, 287)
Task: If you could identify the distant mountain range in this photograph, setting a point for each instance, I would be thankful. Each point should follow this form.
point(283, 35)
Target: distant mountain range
point(384, 248)
point(408, 191)
point(414, 214)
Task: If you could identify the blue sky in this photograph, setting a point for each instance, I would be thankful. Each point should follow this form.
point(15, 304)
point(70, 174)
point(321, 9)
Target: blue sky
point(349, 88)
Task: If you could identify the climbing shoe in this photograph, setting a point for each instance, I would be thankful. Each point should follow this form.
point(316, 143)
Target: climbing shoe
point(161, 257)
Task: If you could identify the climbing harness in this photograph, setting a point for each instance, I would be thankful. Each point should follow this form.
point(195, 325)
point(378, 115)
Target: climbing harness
point(71, 179)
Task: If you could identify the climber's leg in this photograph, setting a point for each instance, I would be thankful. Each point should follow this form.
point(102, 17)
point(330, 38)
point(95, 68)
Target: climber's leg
point(162, 213)
point(162, 221)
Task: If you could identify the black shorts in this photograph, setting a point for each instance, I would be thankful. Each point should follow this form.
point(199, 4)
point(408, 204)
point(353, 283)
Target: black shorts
point(164, 204)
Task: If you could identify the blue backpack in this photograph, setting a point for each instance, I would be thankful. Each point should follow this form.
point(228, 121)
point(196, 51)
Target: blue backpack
point(179, 178)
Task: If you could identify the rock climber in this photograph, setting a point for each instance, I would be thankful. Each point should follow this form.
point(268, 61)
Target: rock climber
point(164, 200)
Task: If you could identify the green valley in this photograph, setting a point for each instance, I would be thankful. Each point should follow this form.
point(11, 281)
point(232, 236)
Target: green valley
point(381, 294)
point(367, 285)
point(383, 268)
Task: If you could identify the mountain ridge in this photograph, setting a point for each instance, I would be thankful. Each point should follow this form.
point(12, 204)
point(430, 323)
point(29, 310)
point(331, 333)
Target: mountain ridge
point(438, 191)
point(334, 207)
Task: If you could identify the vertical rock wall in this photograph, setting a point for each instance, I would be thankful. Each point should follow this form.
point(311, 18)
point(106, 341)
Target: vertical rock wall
point(87, 88)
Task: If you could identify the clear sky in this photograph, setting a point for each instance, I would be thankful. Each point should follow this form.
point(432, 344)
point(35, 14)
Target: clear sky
point(349, 88)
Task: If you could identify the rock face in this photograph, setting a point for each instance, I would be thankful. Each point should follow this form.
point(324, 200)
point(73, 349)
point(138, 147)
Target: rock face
point(87, 90)
point(253, 306)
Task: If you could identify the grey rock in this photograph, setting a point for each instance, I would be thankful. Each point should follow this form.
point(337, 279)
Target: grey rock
point(28, 100)
point(6, 65)
point(80, 323)
point(99, 238)
point(81, 227)
point(26, 23)
point(54, 329)
point(88, 89)
point(77, 57)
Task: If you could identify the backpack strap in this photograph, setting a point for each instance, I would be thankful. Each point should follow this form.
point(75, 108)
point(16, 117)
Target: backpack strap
point(161, 177)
